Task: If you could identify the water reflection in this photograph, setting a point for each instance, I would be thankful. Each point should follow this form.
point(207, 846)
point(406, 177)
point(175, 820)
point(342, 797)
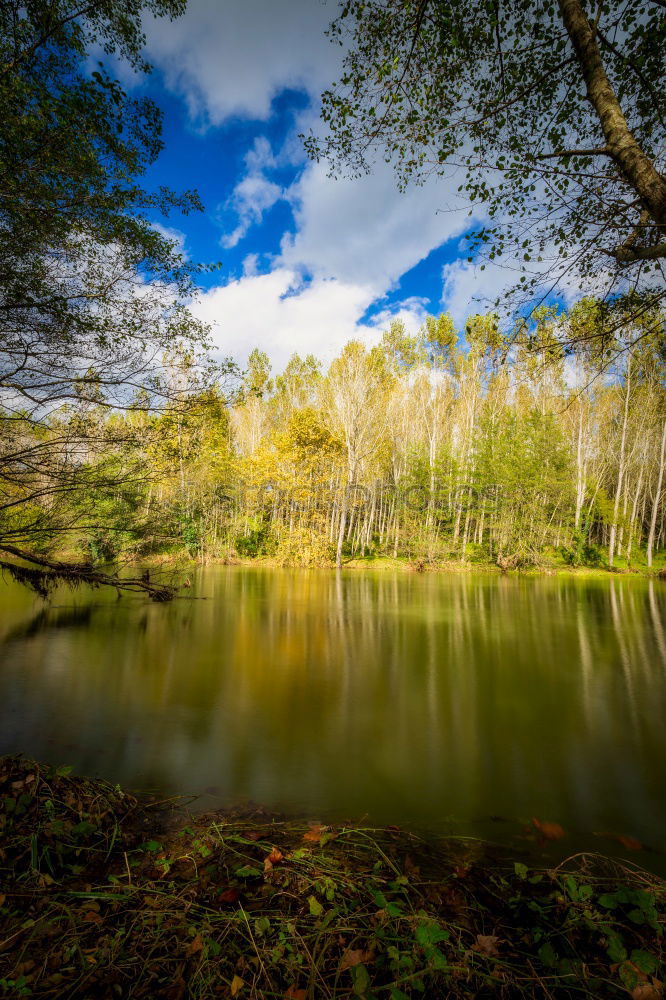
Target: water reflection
point(411, 698)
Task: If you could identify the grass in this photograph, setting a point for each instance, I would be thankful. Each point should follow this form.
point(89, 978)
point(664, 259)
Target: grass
point(107, 896)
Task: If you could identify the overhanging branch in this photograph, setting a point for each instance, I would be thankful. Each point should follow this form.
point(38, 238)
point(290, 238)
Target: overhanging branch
point(43, 574)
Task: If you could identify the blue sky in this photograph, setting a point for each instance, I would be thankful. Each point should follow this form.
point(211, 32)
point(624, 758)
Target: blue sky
point(307, 261)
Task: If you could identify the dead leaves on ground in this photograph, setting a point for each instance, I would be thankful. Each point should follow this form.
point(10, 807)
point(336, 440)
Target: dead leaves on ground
point(629, 843)
point(648, 991)
point(355, 956)
point(487, 944)
point(273, 858)
point(237, 985)
point(195, 946)
point(318, 834)
point(549, 831)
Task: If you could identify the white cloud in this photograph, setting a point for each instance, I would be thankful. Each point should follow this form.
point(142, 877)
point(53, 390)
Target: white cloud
point(230, 59)
point(280, 315)
point(251, 197)
point(364, 229)
point(468, 290)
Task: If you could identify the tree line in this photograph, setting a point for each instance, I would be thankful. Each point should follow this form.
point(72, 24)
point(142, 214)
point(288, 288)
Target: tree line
point(471, 445)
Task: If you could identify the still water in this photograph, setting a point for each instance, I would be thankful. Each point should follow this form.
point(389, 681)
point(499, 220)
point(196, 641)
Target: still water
point(437, 701)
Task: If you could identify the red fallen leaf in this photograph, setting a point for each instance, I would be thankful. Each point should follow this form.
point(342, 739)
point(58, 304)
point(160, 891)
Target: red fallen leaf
point(355, 956)
point(294, 994)
point(314, 834)
point(229, 896)
point(631, 843)
point(272, 859)
point(92, 918)
point(461, 871)
point(487, 944)
point(551, 831)
point(251, 834)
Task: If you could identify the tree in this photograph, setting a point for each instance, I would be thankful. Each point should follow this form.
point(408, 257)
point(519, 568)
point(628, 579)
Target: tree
point(355, 400)
point(92, 295)
point(551, 116)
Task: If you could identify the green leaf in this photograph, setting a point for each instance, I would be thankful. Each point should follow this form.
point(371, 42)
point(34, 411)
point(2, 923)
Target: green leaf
point(615, 949)
point(644, 961)
point(428, 933)
point(247, 871)
point(151, 845)
point(628, 975)
point(360, 979)
point(316, 909)
point(521, 870)
point(548, 955)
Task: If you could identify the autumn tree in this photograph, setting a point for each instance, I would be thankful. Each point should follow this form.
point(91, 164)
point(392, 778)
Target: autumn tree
point(92, 295)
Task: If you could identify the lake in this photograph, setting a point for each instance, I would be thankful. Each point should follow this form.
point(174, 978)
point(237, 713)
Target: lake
point(466, 703)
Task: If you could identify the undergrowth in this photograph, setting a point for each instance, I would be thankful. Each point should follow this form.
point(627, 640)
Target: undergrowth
point(102, 895)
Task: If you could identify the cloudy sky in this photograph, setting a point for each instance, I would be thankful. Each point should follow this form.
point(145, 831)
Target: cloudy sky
point(307, 261)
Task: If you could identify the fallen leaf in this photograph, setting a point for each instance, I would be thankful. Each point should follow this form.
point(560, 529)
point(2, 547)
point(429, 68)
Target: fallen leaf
point(177, 989)
point(647, 991)
point(295, 994)
point(272, 859)
point(630, 843)
point(314, 834)
point(355, 956)
point(237, 984)
point(195, 946)
point(487, 944)
point(92, 918)
point(251, 834)
point(551, 831)
point(411, 869)
point(229, 896)
point(2, 898)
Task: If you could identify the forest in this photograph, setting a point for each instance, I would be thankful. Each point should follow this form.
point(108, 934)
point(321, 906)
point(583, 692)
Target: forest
point(471, 446)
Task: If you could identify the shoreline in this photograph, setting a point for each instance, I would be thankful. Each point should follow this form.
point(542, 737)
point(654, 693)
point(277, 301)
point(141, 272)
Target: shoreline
point(385, 564)
point(106, 894)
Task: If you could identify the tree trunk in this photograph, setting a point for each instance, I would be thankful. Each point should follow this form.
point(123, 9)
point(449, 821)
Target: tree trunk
point(620, 471)
point(636, 167)
point(655, 505)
